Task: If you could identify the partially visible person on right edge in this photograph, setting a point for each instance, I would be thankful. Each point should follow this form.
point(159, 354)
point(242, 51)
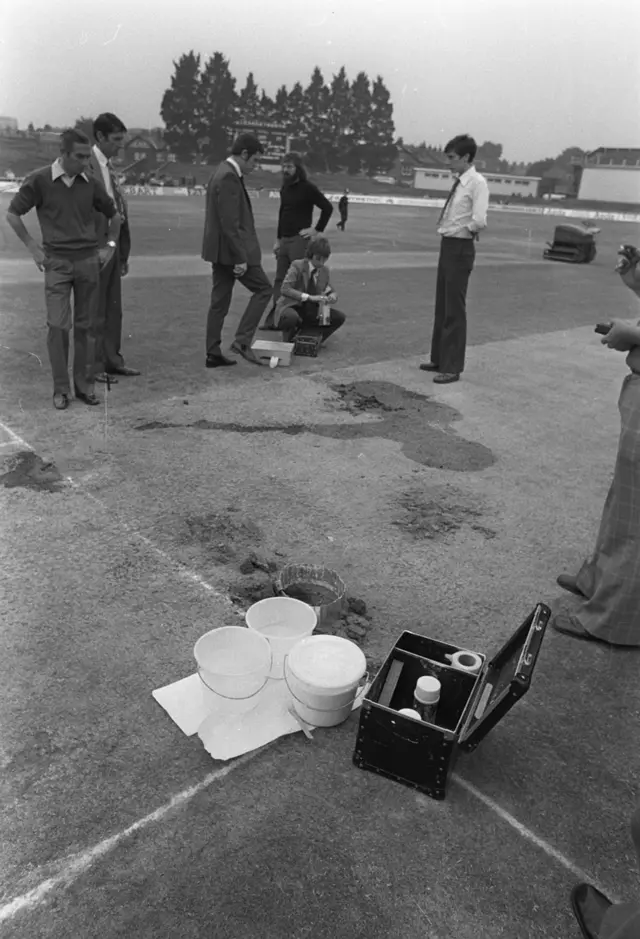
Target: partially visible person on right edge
point(298, 198)
point(597, 916)
point(463, 217)
point(608, 583)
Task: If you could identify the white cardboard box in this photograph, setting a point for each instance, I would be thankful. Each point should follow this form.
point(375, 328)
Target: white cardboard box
point(266, 349)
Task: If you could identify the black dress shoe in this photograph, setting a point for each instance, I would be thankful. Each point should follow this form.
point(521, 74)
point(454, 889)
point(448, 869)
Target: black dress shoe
point(89, 398)
point(570, 583)
point(246, 352)
point(216, 361)
point(429, 367)
point(124, 370)
point(106, 378)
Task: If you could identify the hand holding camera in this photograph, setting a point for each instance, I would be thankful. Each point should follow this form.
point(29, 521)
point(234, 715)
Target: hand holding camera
point(628, 258)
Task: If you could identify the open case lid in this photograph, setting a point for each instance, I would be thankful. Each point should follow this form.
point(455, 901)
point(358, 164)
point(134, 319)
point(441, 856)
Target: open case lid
point(505, 679)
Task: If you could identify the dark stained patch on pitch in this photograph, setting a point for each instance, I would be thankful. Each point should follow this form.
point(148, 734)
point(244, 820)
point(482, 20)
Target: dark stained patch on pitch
point(416, 421)
point(26, 470)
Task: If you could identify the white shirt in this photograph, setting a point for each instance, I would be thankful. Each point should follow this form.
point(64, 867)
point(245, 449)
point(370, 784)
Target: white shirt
point(235, 166)
point(103, 163)
point(466, 214)
point(57, 171)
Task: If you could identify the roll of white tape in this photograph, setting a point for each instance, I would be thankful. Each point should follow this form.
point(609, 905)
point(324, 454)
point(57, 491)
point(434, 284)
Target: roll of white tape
point(273, 361)
point(466, 662)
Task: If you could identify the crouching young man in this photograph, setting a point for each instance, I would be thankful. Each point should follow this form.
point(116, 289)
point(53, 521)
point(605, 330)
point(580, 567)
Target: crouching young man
point(305, 287)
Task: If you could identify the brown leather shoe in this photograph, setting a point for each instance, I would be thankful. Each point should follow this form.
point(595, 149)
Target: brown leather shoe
point(568, 624)
point(569, 582)
point(89, 398)
point(60, 401)
point(246, 352)
point(106, 378)
point(445, 378)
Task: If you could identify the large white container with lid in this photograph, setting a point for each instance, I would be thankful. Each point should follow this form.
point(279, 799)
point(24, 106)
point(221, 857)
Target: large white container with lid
point(323, 674)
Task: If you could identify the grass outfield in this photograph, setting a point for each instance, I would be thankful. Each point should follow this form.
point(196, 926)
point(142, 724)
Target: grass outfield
point(449, 511)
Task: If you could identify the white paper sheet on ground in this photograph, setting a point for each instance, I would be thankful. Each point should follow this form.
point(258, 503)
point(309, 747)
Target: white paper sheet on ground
point(225, 735)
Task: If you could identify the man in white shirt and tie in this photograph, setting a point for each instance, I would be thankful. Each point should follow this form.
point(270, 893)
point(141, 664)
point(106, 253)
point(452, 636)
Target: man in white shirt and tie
point(463, 216)
point(109, 132)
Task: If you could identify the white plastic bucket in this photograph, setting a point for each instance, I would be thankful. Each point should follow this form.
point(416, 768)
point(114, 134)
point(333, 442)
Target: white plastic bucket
point(283, 621)
point(323, 674)
point(233, 665)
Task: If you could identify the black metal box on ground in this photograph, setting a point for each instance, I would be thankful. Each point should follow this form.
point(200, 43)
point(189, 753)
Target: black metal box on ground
point(423, 755)
point(307, 344)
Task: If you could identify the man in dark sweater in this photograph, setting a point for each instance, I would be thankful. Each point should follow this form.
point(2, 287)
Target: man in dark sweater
point(65, 198)
point(298, 197)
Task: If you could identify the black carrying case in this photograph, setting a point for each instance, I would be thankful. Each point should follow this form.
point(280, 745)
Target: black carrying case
point(423, 755)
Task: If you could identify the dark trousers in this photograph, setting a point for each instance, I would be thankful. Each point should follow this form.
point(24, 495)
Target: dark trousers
point(109, 325)
point(61, 277)
point(291, 249)
point(257, 283)
point(449, 338)
point(305, 316)
point(343, 221)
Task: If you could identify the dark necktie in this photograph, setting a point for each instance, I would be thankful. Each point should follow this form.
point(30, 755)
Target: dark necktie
point(449, 198)
point(118, 198)
point(247, 195)
point(312, 283)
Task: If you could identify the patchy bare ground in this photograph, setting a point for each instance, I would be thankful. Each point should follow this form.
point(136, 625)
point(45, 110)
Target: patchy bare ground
point(418, 422)
point(26, 470)
point(434, 515)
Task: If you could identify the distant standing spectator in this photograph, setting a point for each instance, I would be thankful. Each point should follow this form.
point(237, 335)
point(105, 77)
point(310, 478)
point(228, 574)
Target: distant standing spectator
point(65, 198)
point(298, 198)
point(463, 216)
point(343, 209)
point(231, 245)
point(108, 132)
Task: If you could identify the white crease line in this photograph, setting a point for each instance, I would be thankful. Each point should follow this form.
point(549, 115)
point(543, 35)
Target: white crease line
point(76, 865)
point(530, 836)
point(40, 892)
point(181, 569)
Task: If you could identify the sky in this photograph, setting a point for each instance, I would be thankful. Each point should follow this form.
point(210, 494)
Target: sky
point(535, 76)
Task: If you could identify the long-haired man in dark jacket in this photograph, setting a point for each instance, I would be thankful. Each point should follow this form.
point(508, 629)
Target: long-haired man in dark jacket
point(298, 198)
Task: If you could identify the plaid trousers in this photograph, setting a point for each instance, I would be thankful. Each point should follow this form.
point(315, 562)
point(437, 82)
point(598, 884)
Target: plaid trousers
point(610, 578)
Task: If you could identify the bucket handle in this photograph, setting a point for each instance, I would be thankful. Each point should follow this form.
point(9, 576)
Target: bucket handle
point(362, 684)
point(246, 697)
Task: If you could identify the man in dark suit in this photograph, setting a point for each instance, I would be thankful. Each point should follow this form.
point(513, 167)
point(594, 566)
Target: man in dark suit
point(108, 132)
point(231, 245)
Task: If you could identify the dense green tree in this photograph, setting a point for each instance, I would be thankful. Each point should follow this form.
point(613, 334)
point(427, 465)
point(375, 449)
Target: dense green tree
point(296, 104)
point(265, 107)
point(180, 108)
point(338, 120)
point(540, 167)
point(249, 100)
point(356, 139)
point(281, 106)
point(216, 112)
point(318, 132)
point(379, 152)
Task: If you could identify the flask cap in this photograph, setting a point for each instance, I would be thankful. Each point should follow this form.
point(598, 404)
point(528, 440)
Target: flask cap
point(427, 690)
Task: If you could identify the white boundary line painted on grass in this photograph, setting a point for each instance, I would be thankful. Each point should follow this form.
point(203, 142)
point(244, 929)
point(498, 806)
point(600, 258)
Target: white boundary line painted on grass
point(530, 836)
point(182, 570)
point(75, 866)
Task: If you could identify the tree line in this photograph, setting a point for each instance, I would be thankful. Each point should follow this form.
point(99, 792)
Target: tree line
point(344, 125)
